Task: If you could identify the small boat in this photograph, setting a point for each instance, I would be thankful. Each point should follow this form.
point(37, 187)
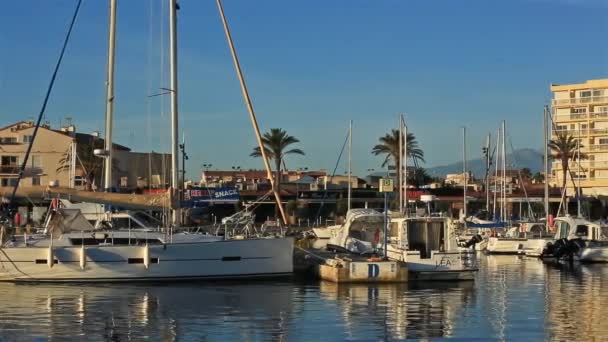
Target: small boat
point(428, 245)
point(430, 248)
point(525, 238)
point(578, 239)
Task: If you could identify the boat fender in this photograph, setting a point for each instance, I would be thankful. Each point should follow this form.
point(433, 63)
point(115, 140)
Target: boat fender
point(146, 256)
point(83, 257)
point(50, 260)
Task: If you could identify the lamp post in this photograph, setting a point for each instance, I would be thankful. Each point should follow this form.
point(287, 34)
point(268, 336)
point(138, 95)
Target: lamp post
point(182, 148)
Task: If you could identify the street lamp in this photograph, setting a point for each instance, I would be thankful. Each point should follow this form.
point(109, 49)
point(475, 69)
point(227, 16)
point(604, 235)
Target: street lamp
point(207, 166)
point(182, 148)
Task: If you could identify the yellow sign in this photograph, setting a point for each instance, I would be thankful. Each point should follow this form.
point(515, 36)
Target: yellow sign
point(386, 185)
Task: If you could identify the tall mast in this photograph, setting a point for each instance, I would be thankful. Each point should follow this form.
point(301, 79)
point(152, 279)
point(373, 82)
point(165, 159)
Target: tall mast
point(504, 170)
point(400, 163)
point(174, 114)
point(546, 161)
point(108, 183)
point(404, 154)
point(496, 175)
point(252, 116)
point(464, 169)
point(488, 164)
point(578, 176)
point(350, 148)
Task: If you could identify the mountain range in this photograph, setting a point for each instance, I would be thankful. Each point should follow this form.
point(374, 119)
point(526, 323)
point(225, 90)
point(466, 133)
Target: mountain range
point(518, 159)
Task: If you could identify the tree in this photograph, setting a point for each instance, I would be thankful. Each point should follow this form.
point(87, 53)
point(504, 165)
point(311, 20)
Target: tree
point(526, 174)
point(419, 177)
point(389, 146)
point(276, 143)
point(538, 178)
point(564, 148)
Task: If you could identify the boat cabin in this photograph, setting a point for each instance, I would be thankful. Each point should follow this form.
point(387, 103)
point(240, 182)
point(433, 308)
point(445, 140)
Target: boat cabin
point(575, 228)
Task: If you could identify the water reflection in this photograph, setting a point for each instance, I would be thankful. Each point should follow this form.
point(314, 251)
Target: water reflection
point(513, 298)
point(419, 310)
point(119, 313)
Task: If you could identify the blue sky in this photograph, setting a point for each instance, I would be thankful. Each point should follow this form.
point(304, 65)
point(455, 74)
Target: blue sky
point(311, 66)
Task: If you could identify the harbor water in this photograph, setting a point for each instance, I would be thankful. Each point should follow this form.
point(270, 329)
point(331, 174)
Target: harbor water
point(513, 299)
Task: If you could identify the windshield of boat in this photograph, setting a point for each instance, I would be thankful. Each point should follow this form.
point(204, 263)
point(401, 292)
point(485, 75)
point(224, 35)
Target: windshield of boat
point(582, 230)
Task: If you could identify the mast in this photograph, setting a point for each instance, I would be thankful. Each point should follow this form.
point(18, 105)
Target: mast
point(350, 148)
point(400, 163)
point(496, 175)
point(108, 183)
point(464, 170)
point(252, 116)
point(488, 165)
point(546, 162)
point(404, 154)
point(176, 219)
point(578, 176)
point(504, 171)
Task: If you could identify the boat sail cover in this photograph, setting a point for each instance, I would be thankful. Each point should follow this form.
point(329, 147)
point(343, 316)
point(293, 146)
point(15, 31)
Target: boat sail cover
point(68, 220)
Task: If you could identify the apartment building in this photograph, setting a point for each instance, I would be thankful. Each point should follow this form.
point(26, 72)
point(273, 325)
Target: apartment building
point(581, 110)
point(65, 157)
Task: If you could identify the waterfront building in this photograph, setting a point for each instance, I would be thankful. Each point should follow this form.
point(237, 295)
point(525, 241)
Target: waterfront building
point(581, 110)
point(65, 157)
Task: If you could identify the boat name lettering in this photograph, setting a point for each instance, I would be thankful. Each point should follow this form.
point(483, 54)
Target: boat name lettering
point(373, 271)
point(445, 261)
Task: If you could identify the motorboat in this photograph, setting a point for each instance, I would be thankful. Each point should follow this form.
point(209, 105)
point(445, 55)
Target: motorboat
point(526, 237)
point(429, 246)
point(578, 239)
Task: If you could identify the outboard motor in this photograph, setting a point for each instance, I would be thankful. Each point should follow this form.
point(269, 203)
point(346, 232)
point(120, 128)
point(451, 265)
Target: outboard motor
point(475, 239)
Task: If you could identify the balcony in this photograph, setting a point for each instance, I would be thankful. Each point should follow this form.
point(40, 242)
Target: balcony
point(9, 169)
point(13, 170)
point(580, 116)
point(601, 147)
point(580, 100)
point(572, 132)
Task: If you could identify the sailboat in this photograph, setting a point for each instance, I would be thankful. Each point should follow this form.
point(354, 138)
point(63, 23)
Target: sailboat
point(79, 252)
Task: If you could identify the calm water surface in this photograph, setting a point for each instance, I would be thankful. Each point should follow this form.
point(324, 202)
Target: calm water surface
point(512, 299)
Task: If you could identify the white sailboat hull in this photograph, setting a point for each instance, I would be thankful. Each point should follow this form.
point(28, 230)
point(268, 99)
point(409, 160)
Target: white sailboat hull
point(249, 258)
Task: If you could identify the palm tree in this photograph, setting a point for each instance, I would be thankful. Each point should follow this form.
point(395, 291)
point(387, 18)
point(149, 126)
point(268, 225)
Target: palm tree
point(563, 148)
point(276, 142)
point(389, 146)
point(538, 178)
point(526, 174)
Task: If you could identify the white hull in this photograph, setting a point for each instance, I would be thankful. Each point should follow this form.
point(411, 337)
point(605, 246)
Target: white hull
point(322, 232)
point(593, 254)
point(460, 265)
point(504, 245)
point(249, 258)
point(534, 247)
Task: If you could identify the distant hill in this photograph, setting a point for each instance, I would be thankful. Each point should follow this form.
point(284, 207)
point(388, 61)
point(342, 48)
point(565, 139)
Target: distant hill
point(519, 159)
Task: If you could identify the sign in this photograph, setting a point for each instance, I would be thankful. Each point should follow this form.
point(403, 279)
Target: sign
point(201, 196)
point(386, 185)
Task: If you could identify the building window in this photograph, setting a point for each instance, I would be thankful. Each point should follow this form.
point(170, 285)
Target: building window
point(28, 139)
point(561, 128)
point(603, 141)
point(8, 181)
point(79, 181)
point(8, 140)
point(9, 161)
point(585, 93)
point(602, 109)
point(35, 181)
point(579, 110)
